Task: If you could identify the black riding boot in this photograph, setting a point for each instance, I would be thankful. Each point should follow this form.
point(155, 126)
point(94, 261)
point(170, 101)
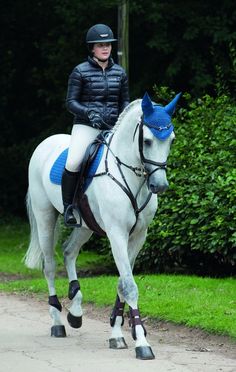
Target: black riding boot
point(68, 184)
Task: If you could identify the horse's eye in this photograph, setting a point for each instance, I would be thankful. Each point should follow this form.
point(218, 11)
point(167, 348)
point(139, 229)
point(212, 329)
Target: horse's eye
point(148, 142)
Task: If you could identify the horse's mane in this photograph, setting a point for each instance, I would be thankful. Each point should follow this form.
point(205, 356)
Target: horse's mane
point(126, 110)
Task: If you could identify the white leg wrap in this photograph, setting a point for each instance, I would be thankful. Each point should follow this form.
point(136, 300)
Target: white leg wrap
point(141, 339)
point(116, 329)
point(75, 308)
point(55, 315)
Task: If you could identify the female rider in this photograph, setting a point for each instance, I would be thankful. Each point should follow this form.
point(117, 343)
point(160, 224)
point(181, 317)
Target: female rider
point(97, 94)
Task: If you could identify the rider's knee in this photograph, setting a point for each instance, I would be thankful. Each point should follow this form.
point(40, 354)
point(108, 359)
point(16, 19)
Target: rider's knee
point(72, 166)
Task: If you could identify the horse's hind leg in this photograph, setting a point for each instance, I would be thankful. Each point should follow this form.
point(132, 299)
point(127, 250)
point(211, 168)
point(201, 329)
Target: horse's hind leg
point(71, 250)
point(46, 217)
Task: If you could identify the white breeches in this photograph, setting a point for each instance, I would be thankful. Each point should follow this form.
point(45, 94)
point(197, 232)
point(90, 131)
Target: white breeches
point(81, 137)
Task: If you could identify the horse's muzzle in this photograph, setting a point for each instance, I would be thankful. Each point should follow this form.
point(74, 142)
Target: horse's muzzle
point(158, 189)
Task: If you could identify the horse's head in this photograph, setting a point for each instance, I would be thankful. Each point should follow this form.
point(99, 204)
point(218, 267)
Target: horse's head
point(155, 137)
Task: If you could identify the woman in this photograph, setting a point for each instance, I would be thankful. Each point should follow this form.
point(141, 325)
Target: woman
point(97, 94)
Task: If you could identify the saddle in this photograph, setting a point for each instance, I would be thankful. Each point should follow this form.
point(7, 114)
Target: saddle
point(86, 173)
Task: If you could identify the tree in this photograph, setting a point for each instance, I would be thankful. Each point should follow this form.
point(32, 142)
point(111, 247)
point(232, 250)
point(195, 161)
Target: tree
point(123, 35)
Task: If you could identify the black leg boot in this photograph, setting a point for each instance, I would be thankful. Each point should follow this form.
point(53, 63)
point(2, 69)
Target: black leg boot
point(68, 184)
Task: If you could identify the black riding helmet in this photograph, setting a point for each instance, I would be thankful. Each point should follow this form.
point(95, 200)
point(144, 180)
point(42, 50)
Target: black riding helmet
point(99, 34)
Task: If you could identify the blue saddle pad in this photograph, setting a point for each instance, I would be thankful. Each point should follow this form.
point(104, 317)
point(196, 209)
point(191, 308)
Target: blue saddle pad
point(59, 165)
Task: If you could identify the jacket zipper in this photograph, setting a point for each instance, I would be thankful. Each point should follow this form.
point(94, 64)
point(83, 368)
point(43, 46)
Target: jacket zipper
point(106, 90)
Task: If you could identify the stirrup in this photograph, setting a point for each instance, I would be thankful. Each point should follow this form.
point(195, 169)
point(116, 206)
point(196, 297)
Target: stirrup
point(73, 223)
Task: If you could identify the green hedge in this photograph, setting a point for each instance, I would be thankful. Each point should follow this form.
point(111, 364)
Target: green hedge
point(194, 228)
point(195, 221)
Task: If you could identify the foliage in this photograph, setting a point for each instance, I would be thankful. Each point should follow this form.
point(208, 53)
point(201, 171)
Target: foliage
point(186, 44)
point(222, 83)
point(13, 179)
point(40, 45)
point(205, 303)
point(196, 220)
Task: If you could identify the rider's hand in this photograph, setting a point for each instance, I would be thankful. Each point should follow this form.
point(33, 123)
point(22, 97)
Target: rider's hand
point(95, 119)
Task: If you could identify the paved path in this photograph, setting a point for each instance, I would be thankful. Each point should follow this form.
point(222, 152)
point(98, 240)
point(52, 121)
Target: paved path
point(25, 346)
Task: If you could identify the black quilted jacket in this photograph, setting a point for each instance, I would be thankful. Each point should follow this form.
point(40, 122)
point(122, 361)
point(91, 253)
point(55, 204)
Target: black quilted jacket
point(90, 87)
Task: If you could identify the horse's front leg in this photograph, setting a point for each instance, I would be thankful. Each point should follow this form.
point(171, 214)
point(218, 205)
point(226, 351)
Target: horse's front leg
point(128, 291)
point(71, 250)
point(117, 340)
point(143, 349)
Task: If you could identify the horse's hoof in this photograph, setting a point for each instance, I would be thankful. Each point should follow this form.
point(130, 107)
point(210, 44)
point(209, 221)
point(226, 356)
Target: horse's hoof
point(74, 321)
point(117, 343)
point(144, 353)
point(58, 331)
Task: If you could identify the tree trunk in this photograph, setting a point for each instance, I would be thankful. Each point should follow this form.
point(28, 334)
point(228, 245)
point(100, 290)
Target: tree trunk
point(123, 35)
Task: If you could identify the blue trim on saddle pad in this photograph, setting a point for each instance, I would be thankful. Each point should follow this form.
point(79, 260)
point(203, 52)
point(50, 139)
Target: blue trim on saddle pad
point(58, 168)
point(59, 165)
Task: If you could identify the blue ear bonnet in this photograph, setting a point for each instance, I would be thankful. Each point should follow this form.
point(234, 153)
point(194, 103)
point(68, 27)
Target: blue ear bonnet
point(158, 118)
point(159, 123)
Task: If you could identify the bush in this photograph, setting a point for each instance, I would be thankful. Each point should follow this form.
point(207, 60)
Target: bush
point(195, 223)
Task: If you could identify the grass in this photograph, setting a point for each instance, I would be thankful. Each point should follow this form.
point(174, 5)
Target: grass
point(206, 303)
point(14, 240)
point(13, 245)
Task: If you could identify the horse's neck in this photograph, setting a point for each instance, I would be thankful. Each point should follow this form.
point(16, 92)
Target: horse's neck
point(123, 143)
point(124, 146)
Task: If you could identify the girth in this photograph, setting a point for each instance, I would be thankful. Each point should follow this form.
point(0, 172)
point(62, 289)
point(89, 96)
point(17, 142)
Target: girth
point(87, 215)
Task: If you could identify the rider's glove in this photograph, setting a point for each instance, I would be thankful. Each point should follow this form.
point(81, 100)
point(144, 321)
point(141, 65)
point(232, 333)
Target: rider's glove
point(95, 119)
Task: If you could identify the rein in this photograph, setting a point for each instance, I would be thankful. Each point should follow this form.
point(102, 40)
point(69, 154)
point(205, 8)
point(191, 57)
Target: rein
point(139, 172)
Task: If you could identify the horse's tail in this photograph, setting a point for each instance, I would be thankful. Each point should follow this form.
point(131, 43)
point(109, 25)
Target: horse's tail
point(34, 257)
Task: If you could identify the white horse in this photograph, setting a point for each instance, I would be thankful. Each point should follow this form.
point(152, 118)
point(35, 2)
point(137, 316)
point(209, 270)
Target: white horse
point(123, 201)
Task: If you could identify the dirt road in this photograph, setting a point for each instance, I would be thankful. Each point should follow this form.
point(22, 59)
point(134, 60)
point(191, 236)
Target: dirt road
point(25, 344)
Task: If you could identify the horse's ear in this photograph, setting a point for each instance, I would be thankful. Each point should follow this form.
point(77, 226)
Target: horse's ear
point(170, 108)
point(147, 106)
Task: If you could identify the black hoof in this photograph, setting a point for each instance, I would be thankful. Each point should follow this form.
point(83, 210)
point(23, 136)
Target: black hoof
point(74, 321)
point(117, 343)
point(144, 353)
point(58, 331)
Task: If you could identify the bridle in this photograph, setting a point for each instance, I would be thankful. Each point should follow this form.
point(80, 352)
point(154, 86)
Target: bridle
point(139, 172)
point(144, 160)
